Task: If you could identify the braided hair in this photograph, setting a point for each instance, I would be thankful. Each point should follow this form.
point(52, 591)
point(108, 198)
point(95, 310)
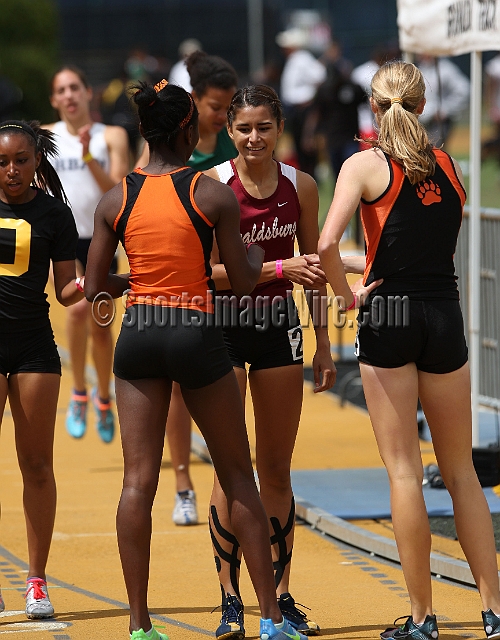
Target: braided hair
point(43, 142)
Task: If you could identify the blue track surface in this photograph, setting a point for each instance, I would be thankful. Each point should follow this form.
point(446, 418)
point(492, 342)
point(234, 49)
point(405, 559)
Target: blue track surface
point(364, 493)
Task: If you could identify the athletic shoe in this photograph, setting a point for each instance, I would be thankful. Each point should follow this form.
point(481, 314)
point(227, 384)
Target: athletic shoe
point(428, 630)
point(76, 416)
point(38, 604)
point(105, 421)
point(491, 624)
point(142, 635)
point(268, 631)
point(231, 624)
point(297, 618)
point(185, 512)
point(2, 604)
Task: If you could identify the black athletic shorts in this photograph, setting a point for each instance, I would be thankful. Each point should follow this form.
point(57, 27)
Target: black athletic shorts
point(82, 251)
point(273, 340)
point(166, 342)
point(32, 351)
point(429, 333)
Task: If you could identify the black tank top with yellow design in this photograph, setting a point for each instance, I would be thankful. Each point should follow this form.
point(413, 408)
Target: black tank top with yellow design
point(411, 233)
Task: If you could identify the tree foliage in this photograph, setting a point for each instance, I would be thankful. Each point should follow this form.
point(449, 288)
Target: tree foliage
point(28, 53)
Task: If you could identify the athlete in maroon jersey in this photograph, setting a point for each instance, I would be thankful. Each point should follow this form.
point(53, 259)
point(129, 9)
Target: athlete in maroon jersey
point(278, 204)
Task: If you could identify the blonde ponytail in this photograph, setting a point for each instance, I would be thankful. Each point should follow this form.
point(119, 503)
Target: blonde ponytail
point(398, 89)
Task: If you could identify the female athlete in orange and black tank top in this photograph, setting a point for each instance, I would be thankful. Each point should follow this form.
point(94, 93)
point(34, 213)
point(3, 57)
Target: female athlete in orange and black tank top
point(411, 232)
point(167, 239)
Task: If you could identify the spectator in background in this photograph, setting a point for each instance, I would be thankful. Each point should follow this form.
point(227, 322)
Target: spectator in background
point(179, 74)
point(447, 94)
point(332, 57)
point(92, 158)
point(335, 116)
point(302, 74)
point(363, 75)
point(492, 70)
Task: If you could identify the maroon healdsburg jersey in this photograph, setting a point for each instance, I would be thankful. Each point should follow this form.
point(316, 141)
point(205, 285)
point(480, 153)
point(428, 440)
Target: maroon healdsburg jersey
point(271, 222)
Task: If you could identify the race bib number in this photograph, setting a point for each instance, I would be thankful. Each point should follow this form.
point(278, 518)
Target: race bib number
point(296, 343)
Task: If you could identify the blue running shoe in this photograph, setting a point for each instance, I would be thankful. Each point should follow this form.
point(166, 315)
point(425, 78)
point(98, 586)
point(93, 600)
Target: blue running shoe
point(105, 421)
point(231, 623)
point(297, 618)
point(268, 631)
point(76, 416)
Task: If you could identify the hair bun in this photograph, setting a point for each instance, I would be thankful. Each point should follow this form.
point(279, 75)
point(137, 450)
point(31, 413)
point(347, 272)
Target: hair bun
point(145, 95)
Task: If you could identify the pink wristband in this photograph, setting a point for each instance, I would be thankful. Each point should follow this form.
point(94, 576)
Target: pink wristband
point(279, 268)
point(352, 305)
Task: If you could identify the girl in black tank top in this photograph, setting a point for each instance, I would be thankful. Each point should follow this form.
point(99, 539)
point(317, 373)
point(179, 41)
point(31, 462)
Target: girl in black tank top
point(411, 212)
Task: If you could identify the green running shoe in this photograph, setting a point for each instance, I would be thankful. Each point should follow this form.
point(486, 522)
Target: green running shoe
point(142, 635)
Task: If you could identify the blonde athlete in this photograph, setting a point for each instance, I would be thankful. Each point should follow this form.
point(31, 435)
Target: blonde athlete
point(410, 341)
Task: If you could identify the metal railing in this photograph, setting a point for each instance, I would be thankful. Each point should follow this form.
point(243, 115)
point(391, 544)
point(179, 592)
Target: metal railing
point(489, 358)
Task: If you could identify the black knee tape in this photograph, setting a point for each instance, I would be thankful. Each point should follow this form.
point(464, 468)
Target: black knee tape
point(279, 538)
point(231, 558)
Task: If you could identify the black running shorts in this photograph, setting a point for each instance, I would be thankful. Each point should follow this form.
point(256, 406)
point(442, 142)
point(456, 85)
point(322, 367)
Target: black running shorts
point(182, 345)
point(32, 351)
point(429, 333)
point(274, 340)
point(82, 252)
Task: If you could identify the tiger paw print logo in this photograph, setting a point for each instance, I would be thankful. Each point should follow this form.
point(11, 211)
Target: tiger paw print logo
point(429, 192)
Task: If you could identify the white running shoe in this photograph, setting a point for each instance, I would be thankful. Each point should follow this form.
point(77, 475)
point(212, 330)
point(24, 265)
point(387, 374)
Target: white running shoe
point(2, 604)
point(38, 604)
point(185, 512)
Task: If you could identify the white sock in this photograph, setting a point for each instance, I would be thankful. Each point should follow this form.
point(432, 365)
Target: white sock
point(280, 625)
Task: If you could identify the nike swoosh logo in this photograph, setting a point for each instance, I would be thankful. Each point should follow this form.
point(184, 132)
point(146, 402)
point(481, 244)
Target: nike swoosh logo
point(295, 636)
point(282, 204)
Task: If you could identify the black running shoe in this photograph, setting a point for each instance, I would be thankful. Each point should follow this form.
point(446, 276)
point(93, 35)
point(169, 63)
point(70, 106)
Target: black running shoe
point(297, 618)
point(428, 630)
point(231, 623)
point(491, 624)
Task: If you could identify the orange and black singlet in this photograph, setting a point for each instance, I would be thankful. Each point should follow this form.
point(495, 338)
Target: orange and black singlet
point(411, 232)
point(167, 239)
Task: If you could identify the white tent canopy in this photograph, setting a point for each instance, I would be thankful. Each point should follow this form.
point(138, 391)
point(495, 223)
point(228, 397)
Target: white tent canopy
point(449, 28)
